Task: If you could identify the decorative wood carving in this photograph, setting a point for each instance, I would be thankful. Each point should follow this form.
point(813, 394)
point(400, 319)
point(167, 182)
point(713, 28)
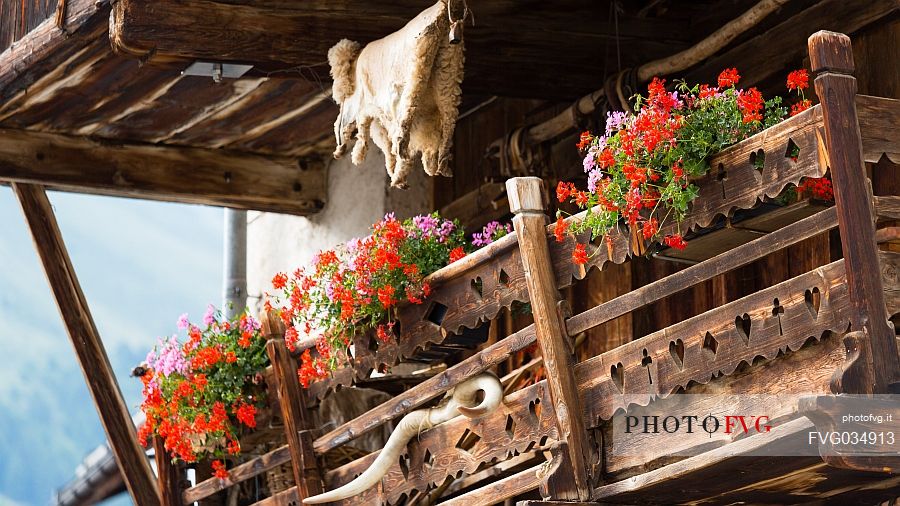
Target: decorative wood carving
point(716, 342)
point(526, 420)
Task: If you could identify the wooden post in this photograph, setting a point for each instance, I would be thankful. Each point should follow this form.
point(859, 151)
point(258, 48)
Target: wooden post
point(831, 57)
point(85, 339)
point(293, 409)
point(526, 201)
point(168, 475)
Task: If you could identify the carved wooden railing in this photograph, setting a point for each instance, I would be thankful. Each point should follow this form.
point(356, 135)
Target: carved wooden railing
point(819, 306)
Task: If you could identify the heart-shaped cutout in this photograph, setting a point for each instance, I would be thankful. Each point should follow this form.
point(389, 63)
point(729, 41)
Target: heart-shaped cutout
point(743, 325)
point(813, 300)
point(758, 159)
point(676, 350)
point(617, 373)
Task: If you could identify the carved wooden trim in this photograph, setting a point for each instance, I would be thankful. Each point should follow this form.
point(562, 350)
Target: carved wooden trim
point(716, 342)
point(524, 421)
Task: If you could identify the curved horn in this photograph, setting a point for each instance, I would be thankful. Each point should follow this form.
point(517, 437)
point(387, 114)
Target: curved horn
point(493, 394)
point(412, 424)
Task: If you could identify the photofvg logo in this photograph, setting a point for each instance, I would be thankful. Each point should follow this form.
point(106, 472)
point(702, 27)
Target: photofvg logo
point(689, 424)
point(779, 425)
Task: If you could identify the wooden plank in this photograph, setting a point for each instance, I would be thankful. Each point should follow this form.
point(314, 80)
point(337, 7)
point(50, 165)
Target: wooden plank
point(507, 488)
point(878, 120)
point(526, 201)
point(293, 409)
point(832, 58)
point(174, 174)
point(287, 497)
point(742, 255)
point(92, 358)
point(804, 371)
point(168, 475)
point(478, 207)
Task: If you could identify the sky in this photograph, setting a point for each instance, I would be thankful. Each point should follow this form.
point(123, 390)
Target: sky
point(141, 264)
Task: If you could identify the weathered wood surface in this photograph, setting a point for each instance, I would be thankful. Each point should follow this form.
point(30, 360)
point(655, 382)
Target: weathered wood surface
point(832, 58)
point(287, 497)
point(168, 475)
point(85, 338)
point(237, 474)
point(716, 342)
point(526, 201)
point(878, 124)
point(46, 46)
point(282, 36)
point(114, 97)
point(478, 207)
point(498, 491)
point(18, 17)
point(215, 177)
point(523, 422)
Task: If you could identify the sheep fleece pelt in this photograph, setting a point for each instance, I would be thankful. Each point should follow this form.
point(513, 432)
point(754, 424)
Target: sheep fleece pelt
point(403, 92)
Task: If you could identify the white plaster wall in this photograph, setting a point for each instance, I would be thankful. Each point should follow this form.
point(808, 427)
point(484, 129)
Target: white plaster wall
point(357, 198)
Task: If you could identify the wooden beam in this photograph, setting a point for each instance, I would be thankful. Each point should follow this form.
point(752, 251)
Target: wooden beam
point(98, 373)
point(287, 37)
point(526, 201)
point(832, 58)
point(168, 475)
point(294, 415)
point(769, 53)
point(175, 174)
point(47, 46)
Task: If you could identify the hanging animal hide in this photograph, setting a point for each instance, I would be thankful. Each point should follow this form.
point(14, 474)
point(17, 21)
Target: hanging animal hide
point(403, 92)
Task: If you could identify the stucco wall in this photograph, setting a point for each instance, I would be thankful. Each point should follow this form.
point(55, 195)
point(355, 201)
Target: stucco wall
point(357, 198)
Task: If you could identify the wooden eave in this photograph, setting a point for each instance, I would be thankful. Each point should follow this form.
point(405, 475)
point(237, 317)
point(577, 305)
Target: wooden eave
point(85, 115)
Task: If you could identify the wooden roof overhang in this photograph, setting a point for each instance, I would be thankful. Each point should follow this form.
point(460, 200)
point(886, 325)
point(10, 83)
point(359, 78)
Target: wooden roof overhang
point(74, 115)
point(93, 99)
